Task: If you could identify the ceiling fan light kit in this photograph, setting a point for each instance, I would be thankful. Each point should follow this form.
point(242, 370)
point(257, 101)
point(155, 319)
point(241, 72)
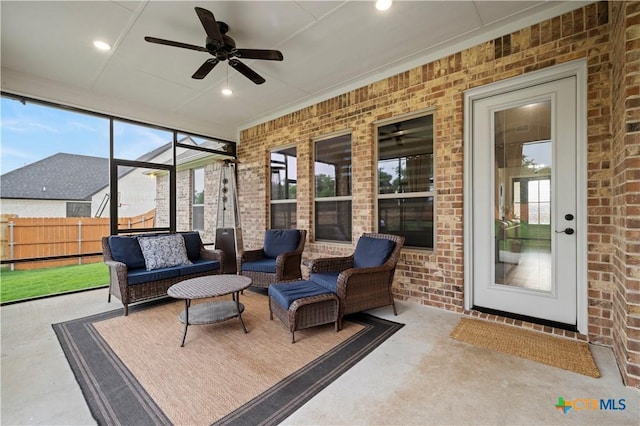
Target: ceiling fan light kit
point(223, 48)
point(383, 4)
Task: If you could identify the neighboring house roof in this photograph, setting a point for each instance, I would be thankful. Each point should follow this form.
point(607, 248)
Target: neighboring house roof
point(58, 177)
point(153, 154)
point(71, 176)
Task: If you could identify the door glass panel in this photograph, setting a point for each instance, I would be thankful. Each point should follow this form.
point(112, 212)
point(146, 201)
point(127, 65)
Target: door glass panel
point(523, 173)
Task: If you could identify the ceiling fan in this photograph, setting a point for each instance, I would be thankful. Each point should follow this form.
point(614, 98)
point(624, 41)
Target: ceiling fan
point(222, 48)
point(399, 135)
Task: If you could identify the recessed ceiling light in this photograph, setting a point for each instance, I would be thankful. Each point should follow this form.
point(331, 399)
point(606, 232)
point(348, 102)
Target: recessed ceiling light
point(383, 4)
point(101, 45)
point(227, 92)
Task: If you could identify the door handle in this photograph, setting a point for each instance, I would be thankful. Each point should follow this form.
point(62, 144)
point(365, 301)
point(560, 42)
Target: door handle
point(567, 231)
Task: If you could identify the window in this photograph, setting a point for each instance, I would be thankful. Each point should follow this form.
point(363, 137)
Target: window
point(197, 178)
point(95, 167)
point(405, 180)
point(534, 195)
point(143, 159)
point(283, 189)
point(75, 209)
point(332, 168)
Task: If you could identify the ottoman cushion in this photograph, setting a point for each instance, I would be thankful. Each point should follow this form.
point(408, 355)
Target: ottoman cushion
point(286, 294)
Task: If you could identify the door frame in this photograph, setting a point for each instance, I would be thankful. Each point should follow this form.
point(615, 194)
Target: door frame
point(577, 69)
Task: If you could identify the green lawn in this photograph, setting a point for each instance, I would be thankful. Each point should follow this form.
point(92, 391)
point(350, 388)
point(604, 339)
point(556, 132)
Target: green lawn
point(16, 285)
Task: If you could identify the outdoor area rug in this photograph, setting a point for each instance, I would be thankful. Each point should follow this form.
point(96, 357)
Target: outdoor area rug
point(555, 351)
point(132, 369)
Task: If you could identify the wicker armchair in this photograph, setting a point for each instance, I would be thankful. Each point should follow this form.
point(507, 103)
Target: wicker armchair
point(277, 261)
point(359, 288)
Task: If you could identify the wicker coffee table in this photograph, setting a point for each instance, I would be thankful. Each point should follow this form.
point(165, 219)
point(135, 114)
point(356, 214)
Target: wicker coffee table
point(214, 311)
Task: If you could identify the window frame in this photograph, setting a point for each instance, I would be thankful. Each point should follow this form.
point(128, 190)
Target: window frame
point(407, 195)
point(193, 201)
point(228, 150)
point(289, 201)
point(525, 181)
point(75, 204)
point(335, 198)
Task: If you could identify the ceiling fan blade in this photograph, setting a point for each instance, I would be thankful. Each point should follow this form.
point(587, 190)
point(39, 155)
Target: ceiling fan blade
point(246, 71)
point(210, 26)
point(205, 68)
point(401, 133)
point(175, 44)
point(269, 55)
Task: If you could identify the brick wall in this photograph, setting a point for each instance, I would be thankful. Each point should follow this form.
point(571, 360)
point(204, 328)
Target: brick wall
point(625, 183)
point(211, 183)
point(162, 200)
point(436, 278)
point(184, 200)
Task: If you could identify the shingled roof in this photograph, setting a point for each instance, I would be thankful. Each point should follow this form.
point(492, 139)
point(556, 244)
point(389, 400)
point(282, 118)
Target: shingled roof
point(68, 176)
point(58, 177)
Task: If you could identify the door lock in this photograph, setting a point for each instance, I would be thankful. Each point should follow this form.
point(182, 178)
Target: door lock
point(567, 231)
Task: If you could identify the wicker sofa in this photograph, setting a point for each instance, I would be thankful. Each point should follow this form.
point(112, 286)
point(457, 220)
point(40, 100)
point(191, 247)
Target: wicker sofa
point(134, 277)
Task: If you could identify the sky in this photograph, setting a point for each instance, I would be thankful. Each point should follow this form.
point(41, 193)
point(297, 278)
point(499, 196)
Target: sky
point(30, 132)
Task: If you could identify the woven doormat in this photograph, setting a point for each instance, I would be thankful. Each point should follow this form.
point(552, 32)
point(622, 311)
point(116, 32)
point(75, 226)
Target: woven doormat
point(557, 352)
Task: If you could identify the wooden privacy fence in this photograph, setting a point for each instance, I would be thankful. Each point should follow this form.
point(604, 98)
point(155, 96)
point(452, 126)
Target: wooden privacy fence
point(37, 237)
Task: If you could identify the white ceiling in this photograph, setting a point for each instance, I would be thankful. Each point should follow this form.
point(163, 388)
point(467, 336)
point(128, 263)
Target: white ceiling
point(329, 47)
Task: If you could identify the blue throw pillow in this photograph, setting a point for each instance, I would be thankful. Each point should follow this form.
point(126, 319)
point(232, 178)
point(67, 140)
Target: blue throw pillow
point(278, 241)
point(371, 252)
point(126, 250)
point(193, 243)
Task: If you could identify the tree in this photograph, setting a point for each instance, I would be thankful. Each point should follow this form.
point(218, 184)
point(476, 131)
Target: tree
point(325, 186)
point(384, 182)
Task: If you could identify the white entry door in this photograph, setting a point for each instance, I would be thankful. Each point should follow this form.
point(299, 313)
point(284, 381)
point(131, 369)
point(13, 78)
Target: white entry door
point(524, 212)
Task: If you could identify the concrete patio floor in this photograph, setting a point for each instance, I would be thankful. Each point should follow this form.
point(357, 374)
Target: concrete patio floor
point(418, 376)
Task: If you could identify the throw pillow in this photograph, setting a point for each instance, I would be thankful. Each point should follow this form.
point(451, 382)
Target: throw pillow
point(192, 242)
point(164, 251)
point(371, 252)
point(126, 249)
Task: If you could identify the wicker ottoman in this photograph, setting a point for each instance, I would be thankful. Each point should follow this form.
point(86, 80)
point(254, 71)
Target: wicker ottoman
point(303, 312)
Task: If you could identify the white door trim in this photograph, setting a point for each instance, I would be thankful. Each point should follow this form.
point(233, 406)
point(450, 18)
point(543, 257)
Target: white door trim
point(578, 69)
